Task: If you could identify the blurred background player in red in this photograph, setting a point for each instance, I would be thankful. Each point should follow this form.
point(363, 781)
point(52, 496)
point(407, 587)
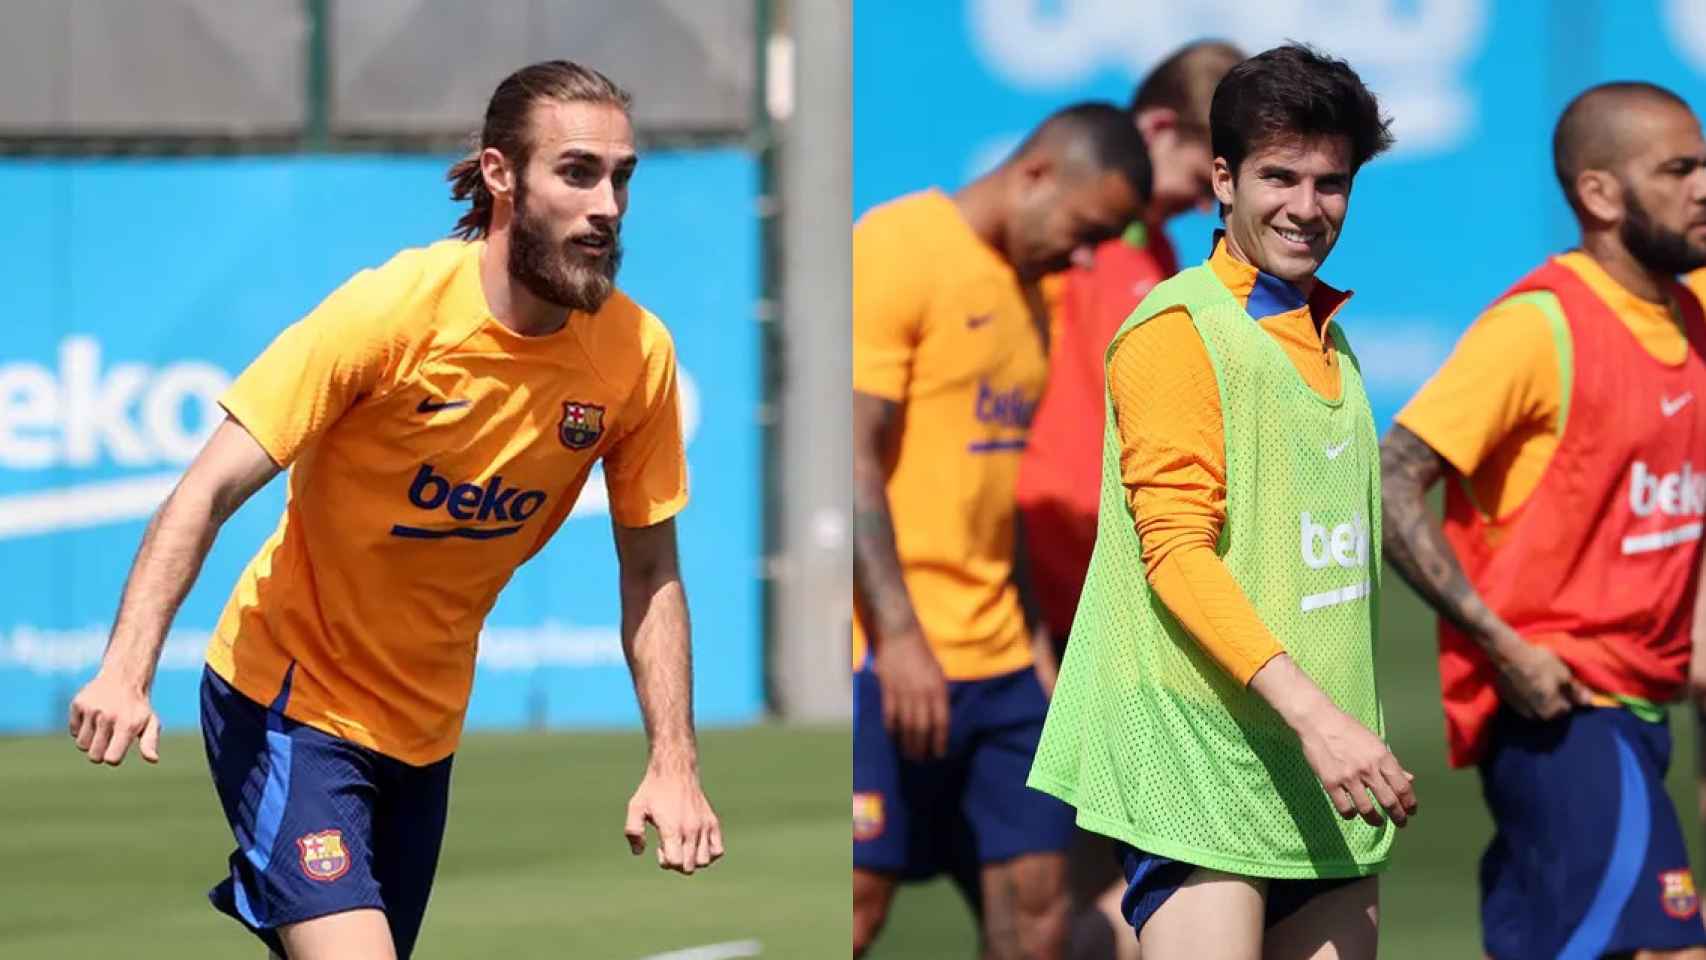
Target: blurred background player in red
point(1061, 471)
point(949, 359)
point(1567, 428)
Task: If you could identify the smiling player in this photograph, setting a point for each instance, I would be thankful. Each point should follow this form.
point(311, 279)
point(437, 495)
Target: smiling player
point(1220, 670)
point(440, 414)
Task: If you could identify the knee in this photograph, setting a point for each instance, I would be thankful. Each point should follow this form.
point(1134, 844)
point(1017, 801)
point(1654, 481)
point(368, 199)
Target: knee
point(1041, 908)
point(871, 897)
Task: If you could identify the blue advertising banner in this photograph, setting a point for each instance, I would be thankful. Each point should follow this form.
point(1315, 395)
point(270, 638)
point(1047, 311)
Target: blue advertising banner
point(1465, 205)
point(138, 289)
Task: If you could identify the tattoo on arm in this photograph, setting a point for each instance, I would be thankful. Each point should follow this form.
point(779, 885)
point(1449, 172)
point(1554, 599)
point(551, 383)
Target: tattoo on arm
point(877, 583)
point(1414, 542)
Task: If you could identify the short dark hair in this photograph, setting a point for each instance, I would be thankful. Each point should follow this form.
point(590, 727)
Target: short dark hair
point(1184, 83)
point(1101, 133)
point(506, 128)
point(1587, 138)
point(1295, 91)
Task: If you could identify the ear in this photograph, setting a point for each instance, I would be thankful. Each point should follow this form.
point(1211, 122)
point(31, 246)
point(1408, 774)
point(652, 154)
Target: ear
point(1223, 181)
point(499, 175)
point(1601, 195)
point(1034, 166)
point(1154, 120)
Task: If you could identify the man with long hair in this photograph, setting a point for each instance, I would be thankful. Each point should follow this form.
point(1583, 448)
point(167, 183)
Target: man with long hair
point(439, 415)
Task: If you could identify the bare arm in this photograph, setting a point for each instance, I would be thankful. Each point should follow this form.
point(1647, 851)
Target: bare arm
point(877, 582)
point(914, 690)
point(656, 640)
point(113, 709)
point(1415, 544)
point(1531, 679)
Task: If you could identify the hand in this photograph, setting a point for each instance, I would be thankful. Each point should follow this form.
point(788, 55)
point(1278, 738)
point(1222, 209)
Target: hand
point(689, 835)
point(1534, 682)
point(1352, 763)
point(108, 715)
point(915, 694)
point(1047, 664)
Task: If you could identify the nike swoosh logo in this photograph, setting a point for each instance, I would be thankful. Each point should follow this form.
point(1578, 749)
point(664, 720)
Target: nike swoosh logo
point(1669, 407)
point(972, 323)
point(1333, 450)
point(429, 405)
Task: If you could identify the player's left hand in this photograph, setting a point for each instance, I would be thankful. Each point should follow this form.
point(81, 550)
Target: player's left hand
point(689, 834)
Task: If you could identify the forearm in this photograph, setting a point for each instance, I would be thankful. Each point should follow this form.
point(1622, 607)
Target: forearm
point(656, 641)
point(1196, 587)
point(1415, 544)
point(878, 585)
point(1296, 698)
point(174, 545)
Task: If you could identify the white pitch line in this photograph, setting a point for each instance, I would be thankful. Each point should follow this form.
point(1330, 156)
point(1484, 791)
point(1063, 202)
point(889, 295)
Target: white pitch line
point(713, 951)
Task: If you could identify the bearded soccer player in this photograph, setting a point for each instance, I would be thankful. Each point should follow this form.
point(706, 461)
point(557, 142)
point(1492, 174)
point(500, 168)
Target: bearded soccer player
point(1220, 671)
point(949, 357)
point(439, 415)
point(1060, 472)
point(1568, 426)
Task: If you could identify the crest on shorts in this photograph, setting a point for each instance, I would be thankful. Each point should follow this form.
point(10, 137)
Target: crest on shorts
point(867, 816)
point(581, 426)
point(323, 855)
point(1676, 893)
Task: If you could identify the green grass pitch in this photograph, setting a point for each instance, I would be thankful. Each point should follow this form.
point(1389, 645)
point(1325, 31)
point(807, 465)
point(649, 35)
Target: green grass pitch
point(116, 863)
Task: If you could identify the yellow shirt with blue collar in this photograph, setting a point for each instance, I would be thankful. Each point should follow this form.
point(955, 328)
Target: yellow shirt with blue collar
point(1173, 451)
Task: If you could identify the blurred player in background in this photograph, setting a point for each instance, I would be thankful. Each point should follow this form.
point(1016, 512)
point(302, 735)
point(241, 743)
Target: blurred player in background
point(949, 358)
point(440, 415)
point(1569, 428)
point(1061, 470)
point(1221, 665)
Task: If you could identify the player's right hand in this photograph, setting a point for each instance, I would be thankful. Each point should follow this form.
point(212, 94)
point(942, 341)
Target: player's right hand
point(1532, 681)
point(915, 694)
point(108, 715)
point(1353, 763)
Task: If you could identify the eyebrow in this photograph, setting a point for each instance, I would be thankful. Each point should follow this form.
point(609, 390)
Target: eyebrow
point(627, 162)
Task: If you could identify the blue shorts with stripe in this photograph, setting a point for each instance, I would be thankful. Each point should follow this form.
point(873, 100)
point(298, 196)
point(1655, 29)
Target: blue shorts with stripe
point(322, 825)
point(1587, 855)
point(1151, 879)
point(915, 819)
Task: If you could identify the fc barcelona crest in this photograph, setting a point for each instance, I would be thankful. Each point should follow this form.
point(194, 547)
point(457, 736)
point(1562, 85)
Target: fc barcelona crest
point(582, 424)
point(1676, 893)
point(323, 855)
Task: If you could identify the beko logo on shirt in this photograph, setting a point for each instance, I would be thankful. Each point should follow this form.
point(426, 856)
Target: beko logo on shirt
point(491, 502)
point(1681, 495)
point(1673, 494)
point(1008, 408)
point(1344, 545)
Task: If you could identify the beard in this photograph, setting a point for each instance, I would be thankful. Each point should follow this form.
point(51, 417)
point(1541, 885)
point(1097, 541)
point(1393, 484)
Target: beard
point(553, 271)
point(1655, 247)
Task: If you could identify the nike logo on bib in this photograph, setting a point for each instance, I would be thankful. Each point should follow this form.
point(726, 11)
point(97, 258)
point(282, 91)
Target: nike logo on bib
point(1333, 450)
point(1669, 407)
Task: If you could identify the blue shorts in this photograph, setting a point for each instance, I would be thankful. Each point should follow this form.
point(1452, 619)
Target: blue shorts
point(322, 825)
point(1151, 878)
point(1587, 856)
point(915, 819)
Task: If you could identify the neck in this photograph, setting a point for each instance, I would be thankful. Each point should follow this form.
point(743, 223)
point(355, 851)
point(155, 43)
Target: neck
point(1306, 286)
point(512, 304)
point(979, 203)
point(1607, 250)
